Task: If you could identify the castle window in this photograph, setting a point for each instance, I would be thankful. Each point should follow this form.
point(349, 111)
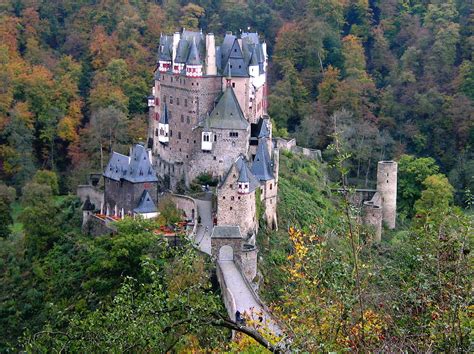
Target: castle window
point(387, 180)
point(205, 137)
point(185, 102)
point(233, 84)
point(238, 197)
point(188, 120)
point(230, 208)
point(194, 141)
point(223, 197)
point(231, 186)
point(232, 198)
point(163, 77)
point(271, 185)
point(215, 137)
point(182, 118)
point(233, 134)
point(215, 158)
point(171, 134)
point(156, 132)
point(240, 66)
point(231, 66)
point(171, 99)
point(197, 83)
point(187, 140)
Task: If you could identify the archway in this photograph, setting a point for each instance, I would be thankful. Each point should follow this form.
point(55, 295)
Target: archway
point(226, 253)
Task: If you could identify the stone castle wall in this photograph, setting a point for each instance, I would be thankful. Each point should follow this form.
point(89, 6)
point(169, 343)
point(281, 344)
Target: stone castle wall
point(126, 195)
point(187, 100)
point(234, 208)
point(225, 150)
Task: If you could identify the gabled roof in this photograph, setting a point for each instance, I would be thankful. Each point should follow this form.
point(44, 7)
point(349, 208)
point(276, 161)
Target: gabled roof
point(117, 167)
point(164, 118)
point(136, 169)
point(262, 165)
point(146, 204)
point(227, 114)
point(140, 168)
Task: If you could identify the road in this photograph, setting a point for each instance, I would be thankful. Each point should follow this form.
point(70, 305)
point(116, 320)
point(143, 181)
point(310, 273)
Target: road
point(245, 300)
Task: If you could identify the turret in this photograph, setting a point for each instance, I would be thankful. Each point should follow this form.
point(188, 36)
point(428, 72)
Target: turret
point(164, 54)
point(194, 62)
point(243, 182)
point(164, 127)
point(211, 67)
point(387, 188)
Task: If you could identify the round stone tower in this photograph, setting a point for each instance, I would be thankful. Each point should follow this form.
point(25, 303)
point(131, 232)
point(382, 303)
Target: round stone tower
point(387, 188)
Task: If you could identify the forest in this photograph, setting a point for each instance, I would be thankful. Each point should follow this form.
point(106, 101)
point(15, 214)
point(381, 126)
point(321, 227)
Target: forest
point(385, 79)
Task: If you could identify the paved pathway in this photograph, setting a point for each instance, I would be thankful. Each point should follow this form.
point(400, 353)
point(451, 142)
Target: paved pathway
point(204, 231)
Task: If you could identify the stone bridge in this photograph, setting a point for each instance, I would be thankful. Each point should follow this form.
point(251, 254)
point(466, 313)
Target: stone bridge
point(236, 266)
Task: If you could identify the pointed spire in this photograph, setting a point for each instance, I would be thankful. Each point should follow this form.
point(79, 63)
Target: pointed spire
point(261, 166)
point(194, 58)
point(243, 175)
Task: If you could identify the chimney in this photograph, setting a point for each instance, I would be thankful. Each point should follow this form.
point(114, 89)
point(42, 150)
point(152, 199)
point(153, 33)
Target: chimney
point(176, 38)
point(211, 68)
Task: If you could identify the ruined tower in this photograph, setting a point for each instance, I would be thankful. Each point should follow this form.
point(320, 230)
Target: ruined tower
point(387, 188)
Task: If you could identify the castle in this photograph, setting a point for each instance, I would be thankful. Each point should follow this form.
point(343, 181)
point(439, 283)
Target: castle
point(208, 115)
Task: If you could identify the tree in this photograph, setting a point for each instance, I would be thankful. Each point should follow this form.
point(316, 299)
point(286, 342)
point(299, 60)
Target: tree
point(435, 199)
point(5, 219)
point(190, 15)
point(48, 178)
point(412, 172)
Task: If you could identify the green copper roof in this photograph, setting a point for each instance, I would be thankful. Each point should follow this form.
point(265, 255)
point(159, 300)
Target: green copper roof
point(227, 114)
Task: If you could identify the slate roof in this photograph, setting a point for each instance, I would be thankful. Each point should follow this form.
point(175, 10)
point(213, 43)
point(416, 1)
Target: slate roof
point(165, 48)
point(146, 204)
point(164, 118)
point(182, 51)
point(243, 174)
point(226, 232)
point(264, 130)
point(243, 168)
point(194, 57)
point(136, 169)
point(227, 114)
point(262, 165)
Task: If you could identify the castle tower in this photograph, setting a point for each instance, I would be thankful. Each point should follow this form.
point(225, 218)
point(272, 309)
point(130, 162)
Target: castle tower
point(387, 188)
point(236, 200)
